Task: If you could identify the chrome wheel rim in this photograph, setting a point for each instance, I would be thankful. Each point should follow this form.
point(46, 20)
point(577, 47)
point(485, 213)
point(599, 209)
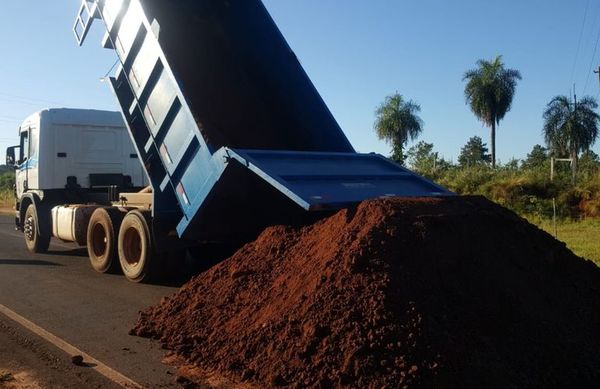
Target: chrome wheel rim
point(29, 228)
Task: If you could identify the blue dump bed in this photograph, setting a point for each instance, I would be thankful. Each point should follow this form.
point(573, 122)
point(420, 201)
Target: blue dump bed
point(231, 131)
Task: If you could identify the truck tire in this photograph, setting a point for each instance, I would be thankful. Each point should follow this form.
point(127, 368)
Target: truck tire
point(35, 242)
point(136, 254)
point(102, 239)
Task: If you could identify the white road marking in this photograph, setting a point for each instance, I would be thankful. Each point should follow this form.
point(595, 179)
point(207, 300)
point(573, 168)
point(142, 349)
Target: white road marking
point(95, 364)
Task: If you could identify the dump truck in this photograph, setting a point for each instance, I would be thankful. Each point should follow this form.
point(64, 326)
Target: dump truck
point(232, 134)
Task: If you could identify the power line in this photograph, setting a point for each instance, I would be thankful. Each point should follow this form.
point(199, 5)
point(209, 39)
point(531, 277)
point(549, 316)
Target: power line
point(579, 41)
point(9, 117)
point(30, 99)
point(22, 102)
point(587, 78)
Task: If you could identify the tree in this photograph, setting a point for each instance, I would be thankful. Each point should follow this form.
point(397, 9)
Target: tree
point(536, 158)
point(512, 165)
point(397, 122)
point(589, 162)
point(570, 127)
point(421, 157)
point(590, 157)
point(489, 92)
point(474, 153)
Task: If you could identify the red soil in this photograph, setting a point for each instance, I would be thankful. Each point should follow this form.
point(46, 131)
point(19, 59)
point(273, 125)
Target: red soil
point(454, 292)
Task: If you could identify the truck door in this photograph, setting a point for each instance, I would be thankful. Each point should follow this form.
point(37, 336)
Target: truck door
point(21, 173)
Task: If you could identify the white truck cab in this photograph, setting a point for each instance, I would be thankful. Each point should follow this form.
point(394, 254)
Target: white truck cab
point(74, 147)
point(69, 162)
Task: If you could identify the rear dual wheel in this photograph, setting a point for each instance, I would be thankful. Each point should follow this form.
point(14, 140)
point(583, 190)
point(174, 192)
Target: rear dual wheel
point(101, 239)
point(115, 241)
point(136, 252)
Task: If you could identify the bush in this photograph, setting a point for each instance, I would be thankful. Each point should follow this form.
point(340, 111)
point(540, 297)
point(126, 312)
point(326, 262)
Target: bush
point(7, 198)
point(7, 180)
point(468, 180)
point(528, 191)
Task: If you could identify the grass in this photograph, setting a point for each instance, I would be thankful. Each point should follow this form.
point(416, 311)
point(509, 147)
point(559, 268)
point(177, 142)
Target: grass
point(582, 237)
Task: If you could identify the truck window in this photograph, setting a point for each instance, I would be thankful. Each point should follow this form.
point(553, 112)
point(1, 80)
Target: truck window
point(33, 143)
point(24, 149)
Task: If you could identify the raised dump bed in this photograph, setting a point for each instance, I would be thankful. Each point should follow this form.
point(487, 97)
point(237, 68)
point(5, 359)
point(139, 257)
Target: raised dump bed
point(231, 131)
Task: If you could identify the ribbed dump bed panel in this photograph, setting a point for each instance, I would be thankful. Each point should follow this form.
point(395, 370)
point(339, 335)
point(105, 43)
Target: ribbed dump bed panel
point(240, 78)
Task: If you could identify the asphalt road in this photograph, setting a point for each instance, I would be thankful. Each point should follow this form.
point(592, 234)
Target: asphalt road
point(60, 292)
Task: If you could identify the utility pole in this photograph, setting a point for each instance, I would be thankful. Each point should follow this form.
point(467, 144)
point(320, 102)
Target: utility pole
point(574, 156)
point(598, 73)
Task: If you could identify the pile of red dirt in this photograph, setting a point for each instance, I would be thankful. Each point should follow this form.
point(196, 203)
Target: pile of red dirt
point(449, 292)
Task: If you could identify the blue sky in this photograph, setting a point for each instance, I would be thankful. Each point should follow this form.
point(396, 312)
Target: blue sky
point(356, 53)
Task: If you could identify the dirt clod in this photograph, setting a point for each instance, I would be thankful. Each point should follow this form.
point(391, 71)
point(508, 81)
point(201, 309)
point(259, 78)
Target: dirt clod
point(77, 360)
point(186, 383)
point(6, 377)
point(450, 292)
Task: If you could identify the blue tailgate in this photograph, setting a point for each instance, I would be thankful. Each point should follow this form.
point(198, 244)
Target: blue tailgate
point(316, 180)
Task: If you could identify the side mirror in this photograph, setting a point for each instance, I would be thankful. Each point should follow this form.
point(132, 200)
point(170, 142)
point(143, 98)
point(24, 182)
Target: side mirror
point(10, 156)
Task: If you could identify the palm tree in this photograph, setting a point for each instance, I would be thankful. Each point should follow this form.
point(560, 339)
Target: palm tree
point(397, 122)
point(489, 92)
point(571, 127)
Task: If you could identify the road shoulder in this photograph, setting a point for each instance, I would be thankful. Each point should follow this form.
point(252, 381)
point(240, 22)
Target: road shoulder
point(27, 361)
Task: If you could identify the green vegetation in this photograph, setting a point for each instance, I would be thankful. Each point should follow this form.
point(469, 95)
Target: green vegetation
point(570, 127)
point(474, 153)
point(489, 92)
point(525, 187)
point(7, 181)
point(397, 122)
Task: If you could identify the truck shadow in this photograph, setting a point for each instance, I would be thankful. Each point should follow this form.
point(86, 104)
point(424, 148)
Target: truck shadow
point(176, 278)
point(32, 262)
point(77, 252)
point(178, 271)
